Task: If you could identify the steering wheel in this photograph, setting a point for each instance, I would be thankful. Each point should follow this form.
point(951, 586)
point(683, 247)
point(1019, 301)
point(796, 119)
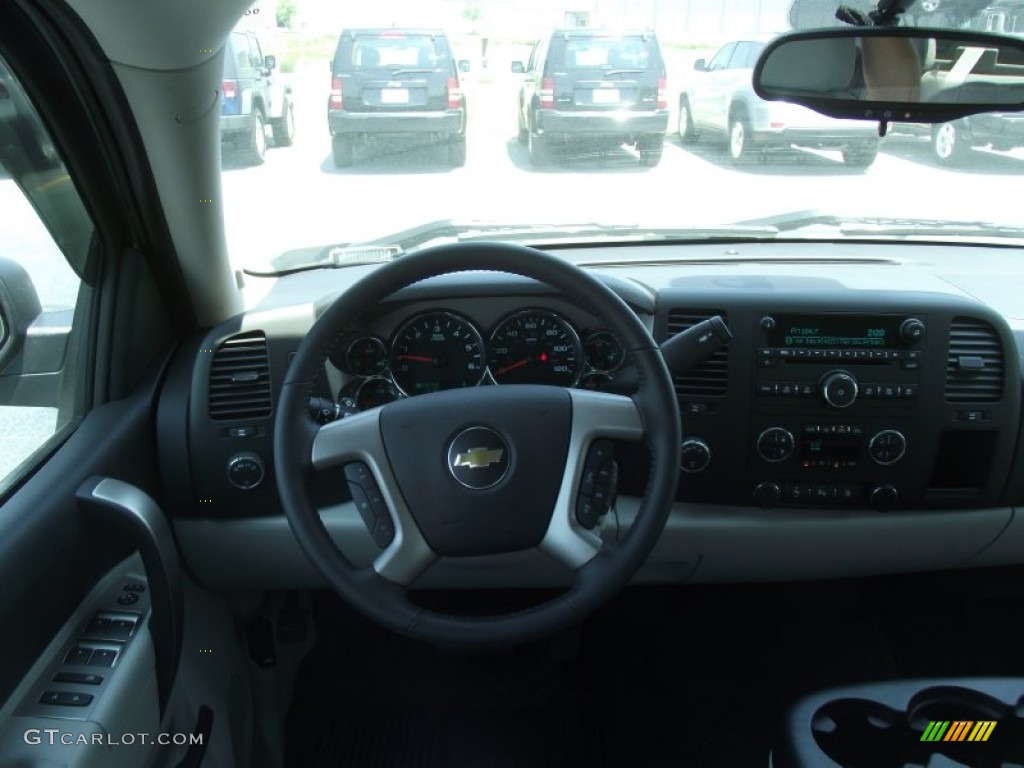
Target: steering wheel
point(479, 471)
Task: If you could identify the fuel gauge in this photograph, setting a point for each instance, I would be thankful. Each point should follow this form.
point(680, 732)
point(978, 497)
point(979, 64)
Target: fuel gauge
point(366, 356)
point(603, 351)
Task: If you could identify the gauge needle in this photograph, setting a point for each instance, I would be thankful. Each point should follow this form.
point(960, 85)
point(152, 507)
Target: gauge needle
point(512, 367)
point(416, 358)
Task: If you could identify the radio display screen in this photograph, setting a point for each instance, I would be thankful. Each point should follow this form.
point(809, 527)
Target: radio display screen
point(863, 331)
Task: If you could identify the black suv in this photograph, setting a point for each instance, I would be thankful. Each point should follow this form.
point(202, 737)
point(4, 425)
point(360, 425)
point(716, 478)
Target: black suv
point(598, 86)
point(393, 82)
point(250, 99)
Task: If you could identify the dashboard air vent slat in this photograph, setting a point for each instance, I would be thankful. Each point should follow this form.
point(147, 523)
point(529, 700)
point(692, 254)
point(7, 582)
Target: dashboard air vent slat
point(240, 378)
point(710, 378)
point(974, 367)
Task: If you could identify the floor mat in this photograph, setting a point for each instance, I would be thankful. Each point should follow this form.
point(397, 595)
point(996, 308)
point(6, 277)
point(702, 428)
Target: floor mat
point(660, 677)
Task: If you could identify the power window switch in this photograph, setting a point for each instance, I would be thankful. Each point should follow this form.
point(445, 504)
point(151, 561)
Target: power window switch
point(98, 627)
point(78, 655)
point(66, 699)
point(103, 657)
point(120, 629)
point(80, 678)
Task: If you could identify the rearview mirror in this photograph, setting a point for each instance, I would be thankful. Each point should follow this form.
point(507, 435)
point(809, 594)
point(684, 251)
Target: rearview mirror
point(464, 65)
point(269, 61)
point(700, 65)
point(518, 68)
point(901, 74)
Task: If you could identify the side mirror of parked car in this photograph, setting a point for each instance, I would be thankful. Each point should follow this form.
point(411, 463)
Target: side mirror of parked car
point(701, 65)
point(270, 62)
point(19, 306)
point(464, 65)
point(518, 68)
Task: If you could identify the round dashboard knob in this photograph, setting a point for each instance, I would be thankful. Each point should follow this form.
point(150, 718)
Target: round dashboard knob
point(884, 497)
point(887, 447)
point(767, 495)
point(912, 330)
point(775, 444)
point(695, 455)
point(839, 389)
point(246, 470)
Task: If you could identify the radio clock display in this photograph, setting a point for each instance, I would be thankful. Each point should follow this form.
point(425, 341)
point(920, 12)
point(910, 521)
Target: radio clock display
point(861, 331)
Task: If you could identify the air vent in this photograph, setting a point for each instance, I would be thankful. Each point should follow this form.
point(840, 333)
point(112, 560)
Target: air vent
point(974, 368)
point(710, 378)
point(240, 378)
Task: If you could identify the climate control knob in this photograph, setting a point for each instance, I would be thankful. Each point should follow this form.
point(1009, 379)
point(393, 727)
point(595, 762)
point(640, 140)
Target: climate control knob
point(839, 389)
point(775, 444)
point(883, 497)
point(887, 447)
point(767, 495)
point(695, 455)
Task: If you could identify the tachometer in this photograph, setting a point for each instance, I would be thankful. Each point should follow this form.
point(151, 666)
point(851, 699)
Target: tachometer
point(535, 347)
point(436, 351)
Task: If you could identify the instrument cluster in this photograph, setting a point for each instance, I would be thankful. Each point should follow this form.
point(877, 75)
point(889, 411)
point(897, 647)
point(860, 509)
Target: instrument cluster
point(439, 349)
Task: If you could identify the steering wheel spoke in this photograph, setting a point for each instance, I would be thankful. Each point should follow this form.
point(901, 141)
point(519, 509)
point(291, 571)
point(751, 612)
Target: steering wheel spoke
point(356, 441)
point(573, 535)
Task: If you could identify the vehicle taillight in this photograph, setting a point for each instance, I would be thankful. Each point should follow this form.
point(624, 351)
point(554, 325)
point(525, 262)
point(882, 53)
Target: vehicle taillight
point(335, 93)
point(777, 126)
point(230, 89)
point(547, 93)
point(454, 93)
point(662, 93)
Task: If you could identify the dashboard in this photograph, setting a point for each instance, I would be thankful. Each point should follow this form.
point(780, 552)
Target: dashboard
point(864, 418)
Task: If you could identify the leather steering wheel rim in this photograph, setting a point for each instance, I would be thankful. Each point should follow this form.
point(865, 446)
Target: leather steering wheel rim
point(299, 447)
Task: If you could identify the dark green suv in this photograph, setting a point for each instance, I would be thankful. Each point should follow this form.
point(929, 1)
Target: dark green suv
point(395, 82)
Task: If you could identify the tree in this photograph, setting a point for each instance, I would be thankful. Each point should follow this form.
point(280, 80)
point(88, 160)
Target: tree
point(285, 13)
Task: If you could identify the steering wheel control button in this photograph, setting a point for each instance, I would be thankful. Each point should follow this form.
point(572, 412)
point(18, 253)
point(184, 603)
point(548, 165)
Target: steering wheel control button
point(775, 444)
point(598, 485)
point(839, 389)
point(66, 699)
point(370, 502)
point(246, 470)
point(887, 447)
point(478, 458)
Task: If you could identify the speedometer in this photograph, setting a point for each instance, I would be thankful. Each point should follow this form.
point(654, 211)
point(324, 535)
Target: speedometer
point(436, 351)
point(535, 347)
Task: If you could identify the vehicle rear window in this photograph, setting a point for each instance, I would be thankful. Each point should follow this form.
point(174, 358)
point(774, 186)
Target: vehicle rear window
point(606, 53)
point(396, 52)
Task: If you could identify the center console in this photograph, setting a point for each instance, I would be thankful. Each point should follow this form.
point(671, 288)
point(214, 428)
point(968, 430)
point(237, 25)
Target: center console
point(853, 402)
point(968, 722)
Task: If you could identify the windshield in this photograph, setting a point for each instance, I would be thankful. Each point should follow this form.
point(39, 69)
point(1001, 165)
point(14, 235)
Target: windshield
point(352, 126)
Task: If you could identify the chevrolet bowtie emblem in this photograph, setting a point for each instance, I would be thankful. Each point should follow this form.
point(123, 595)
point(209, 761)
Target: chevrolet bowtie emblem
point(478, 458)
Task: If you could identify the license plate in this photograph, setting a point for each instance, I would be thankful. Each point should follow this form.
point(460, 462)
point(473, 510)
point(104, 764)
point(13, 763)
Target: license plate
point(606, 96)
point(394, 96)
